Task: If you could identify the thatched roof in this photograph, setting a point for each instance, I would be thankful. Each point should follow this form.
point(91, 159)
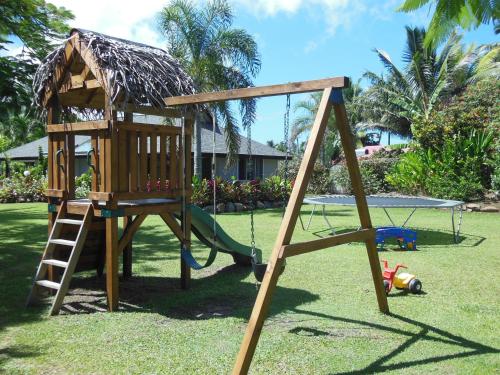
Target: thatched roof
point(134, 73)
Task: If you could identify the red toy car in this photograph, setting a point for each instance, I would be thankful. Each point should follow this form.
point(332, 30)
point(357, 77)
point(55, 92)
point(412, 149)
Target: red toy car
point(403, 280)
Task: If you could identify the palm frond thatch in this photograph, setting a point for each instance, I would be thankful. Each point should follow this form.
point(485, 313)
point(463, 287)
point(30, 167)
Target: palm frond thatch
point(136, 73)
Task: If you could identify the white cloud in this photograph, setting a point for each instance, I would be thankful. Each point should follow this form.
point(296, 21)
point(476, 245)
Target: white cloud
point(335, 13)
point(118, 18)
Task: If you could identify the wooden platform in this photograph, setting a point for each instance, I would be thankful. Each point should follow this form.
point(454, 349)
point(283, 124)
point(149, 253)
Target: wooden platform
point(123, 208)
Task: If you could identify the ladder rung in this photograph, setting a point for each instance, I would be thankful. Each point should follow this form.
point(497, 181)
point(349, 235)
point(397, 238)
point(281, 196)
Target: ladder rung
point(55, 262)
point(59, 241)
point(48, 284)
point(70, 221)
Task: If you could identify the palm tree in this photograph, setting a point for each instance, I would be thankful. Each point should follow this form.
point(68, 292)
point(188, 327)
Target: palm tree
point(307, 109)
point(395, 100)
point(448, 15)
point(217, 57)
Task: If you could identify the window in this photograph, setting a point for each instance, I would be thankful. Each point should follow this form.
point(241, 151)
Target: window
point(247, 173)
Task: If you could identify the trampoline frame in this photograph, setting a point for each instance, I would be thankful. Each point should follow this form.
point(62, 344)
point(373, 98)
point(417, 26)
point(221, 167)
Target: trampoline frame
point(452, 205)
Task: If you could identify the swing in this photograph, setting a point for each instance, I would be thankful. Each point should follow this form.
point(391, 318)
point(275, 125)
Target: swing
point(259, 268)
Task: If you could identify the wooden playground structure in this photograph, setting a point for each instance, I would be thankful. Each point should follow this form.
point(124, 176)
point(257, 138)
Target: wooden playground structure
point(143, 169)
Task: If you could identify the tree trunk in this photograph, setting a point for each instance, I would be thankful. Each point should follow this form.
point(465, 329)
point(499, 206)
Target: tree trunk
point(197, 147)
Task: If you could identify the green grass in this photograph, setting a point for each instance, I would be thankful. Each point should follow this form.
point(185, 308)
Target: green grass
point(323, 319)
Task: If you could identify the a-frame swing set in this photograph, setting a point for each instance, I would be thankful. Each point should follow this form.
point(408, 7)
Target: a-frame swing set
point(331, 99)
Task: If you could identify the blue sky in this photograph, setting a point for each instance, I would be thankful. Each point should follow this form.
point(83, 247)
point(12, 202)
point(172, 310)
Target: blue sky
point(298, 40)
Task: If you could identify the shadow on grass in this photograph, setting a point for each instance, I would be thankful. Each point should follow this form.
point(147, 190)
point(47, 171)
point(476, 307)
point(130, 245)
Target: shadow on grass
point(425, 238)
point(467, 348)
point(218, 295)
point(17, 351)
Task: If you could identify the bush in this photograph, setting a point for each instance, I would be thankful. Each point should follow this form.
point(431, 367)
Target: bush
point(271, 189)
point(373, 174)
point(475, 109)
point(495, 167)
point(83, 184)
point(320, 183)
point(19, 188)
point(458, 170)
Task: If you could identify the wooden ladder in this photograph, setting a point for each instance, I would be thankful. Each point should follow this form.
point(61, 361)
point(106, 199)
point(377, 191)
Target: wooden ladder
point(40, 280)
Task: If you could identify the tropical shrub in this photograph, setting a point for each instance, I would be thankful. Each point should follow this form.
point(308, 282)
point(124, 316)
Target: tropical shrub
point(477, 108)
point(373, 174)
point(83, 184)
point(320, 183)
point(460, 169)
point(20, 188)
point(271, 189)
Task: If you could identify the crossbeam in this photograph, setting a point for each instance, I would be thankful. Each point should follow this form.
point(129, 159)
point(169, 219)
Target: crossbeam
point(298, 248)
point(260, 91)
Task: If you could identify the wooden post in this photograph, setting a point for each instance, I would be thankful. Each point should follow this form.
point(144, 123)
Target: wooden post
point(275, 263)
point(357, 186)
point(53, 116)
point(127, 252)
point(186, 215)
point(70, 165)
point(111, 176)
point(112, 262)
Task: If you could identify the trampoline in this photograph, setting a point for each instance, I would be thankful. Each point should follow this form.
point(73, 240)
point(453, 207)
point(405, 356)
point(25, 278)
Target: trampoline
point(387, 202)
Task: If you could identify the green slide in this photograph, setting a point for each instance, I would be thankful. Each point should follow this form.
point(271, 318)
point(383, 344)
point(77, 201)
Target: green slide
point(202, 224)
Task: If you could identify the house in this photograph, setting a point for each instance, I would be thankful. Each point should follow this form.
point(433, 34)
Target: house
point(265, 158)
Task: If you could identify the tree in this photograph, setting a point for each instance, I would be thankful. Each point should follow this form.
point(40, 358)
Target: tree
point(37, 25)
point(448, 15)
point(217, 57)
point(395, 100)
point(308, 108)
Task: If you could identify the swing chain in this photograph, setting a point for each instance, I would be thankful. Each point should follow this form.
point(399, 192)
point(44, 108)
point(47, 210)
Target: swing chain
point(214, 170)
point(250, 166)
point(286, 128)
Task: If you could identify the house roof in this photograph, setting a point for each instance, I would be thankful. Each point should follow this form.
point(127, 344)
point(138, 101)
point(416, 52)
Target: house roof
point(128, 72)
point(29, 151)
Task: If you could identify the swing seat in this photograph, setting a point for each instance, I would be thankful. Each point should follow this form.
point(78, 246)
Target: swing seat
point(259, 270)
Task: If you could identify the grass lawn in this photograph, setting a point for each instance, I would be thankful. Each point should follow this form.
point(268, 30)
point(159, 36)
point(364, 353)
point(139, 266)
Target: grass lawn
point(323, 319)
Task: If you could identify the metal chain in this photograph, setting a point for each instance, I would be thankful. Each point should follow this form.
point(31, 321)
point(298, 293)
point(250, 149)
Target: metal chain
point(214, 124)
point(286, 129)
point(250, 165)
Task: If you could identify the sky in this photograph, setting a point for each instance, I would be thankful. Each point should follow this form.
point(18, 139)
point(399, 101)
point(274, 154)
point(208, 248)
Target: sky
point(298, 40)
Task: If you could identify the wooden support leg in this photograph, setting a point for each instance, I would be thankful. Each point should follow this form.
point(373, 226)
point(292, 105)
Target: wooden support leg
point(112, 263)
point(285, 233)
point(127, 252)
point(357, 185)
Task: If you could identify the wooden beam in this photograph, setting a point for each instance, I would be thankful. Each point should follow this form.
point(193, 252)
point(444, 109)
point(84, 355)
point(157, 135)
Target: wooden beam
point(285, 233)
point(359, 194)
point(260, 91)
point(323, 243)
point(153, 111)
point(110, 196)
point(150, 128)
point(56, 193)
point(129, 231)
point(173, 225)
point(83, 126)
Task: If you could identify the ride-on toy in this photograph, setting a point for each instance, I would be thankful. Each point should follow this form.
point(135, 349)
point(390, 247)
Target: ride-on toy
point(407, 238)
point(403, 280)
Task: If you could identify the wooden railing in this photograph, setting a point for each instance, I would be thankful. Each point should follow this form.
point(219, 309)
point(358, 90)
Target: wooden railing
point(132, 161)
point(146, 162)
point(61, 166)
